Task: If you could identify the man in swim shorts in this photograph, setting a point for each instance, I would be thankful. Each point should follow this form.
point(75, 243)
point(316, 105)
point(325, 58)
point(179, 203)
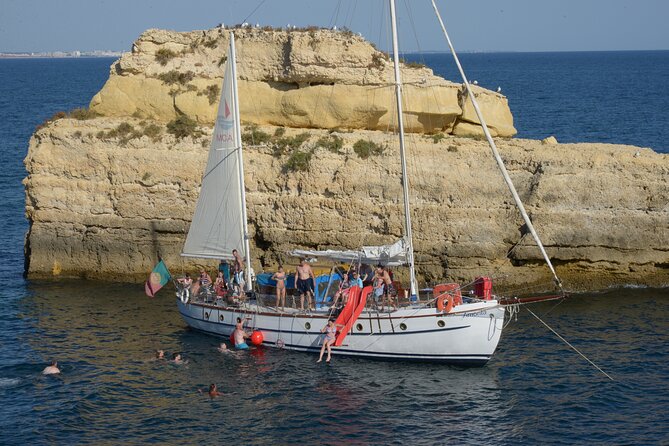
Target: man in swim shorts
point(304, 282)
point(240, 335)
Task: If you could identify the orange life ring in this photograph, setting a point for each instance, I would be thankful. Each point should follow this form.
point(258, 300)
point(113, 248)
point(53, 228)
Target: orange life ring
point(449, 303)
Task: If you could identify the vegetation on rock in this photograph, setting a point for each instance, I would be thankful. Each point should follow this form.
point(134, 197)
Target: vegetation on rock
point(366, 148)
point(176, 77)
point(164, 55)
point(182, 127)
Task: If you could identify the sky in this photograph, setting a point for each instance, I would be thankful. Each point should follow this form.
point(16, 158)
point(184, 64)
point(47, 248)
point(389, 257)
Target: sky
point(474, 25)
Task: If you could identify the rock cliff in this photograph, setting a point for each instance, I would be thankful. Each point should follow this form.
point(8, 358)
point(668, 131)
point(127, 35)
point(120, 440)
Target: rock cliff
point(306, 79)
point(105, 195)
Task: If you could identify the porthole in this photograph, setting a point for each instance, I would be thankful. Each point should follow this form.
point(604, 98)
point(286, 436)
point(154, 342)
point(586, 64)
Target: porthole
point(307, 326)
point(441, 323)
point(358, 327)
point(403, 326)
point(221, 317)
point(206, 315)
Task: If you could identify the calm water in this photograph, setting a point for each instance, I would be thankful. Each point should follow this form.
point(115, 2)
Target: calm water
point(534, 391)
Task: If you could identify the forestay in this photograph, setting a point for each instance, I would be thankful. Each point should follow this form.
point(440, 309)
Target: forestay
point(217, 225)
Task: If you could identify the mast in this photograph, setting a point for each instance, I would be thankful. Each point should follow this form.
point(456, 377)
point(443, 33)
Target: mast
point(493, 147)
point(405, 179)
point(240, 162)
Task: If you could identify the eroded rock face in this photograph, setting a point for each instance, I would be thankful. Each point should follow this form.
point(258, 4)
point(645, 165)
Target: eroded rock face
point(302, 79)
point(105, 208)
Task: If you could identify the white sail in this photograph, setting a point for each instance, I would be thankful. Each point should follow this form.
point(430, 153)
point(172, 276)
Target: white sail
point(217, 226)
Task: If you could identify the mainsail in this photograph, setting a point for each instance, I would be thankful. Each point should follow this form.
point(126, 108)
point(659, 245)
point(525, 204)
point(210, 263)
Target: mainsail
point(218, 223)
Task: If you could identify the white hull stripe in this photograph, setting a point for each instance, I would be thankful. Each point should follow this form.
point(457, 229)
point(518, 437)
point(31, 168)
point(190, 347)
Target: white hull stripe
point(350, 334)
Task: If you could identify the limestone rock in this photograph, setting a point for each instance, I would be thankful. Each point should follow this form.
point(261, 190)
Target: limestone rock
point(549, 141)
point(307, 78)
point(104, 207)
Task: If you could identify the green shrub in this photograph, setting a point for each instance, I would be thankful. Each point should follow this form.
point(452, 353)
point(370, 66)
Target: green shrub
point(452, 148)
point(299, 161)
point(279, 132)
point(365, 148)
point(164, 55)
point(153, 131)
point(122, 130)
point(281, 145)
point(182, 127)
point(55, 117)
point(176, 77)
point(412, 64)
point(254, 136)
point(222, 60)
point(333, 143)
point(212, 92)
point(83, 114)
point(437, 137)
point(77, 134)
point(210, 43)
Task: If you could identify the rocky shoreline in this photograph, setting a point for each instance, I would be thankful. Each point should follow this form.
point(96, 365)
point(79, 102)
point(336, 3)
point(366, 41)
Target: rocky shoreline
point(108, 190)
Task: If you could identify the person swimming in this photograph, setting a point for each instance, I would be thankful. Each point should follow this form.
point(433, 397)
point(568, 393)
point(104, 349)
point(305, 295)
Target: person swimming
point(213, 391)
point(223, 348)
point(51, 369)
point(160, 354)
point(177, 359)
point(240, 336)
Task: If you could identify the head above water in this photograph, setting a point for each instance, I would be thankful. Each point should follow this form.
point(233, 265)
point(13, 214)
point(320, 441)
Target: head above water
point(160, 354)
point(176, 356)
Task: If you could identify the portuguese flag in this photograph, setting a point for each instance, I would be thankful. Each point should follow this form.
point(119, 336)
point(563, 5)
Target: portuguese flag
point(158, 278)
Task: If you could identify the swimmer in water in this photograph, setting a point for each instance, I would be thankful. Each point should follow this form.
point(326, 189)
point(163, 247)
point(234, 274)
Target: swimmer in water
point(160, 354)
point(213, 391)
point(52, 369)
point(177, 359)
point(223, 348)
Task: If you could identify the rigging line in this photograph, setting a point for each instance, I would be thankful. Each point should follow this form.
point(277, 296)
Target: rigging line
point(493, 147)
point(253, 12)
point(566, 342)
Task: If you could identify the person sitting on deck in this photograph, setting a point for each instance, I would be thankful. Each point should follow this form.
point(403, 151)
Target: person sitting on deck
point(356, 281)
point(220, 287)
point(238, 268)
point(202, 282)
point(344, 289)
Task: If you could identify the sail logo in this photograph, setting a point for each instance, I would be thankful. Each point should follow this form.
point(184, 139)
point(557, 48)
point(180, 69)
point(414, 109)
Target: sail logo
point(225, 120)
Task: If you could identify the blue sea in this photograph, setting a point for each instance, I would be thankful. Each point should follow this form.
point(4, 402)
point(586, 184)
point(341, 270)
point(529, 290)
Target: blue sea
point(535, 390)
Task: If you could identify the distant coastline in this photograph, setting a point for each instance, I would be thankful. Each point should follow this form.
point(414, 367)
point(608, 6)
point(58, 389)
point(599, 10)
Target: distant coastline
point(61, 54)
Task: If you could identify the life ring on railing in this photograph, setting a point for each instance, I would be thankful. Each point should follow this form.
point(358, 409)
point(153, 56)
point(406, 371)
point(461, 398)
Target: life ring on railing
point(184, 295)
point(449, 303)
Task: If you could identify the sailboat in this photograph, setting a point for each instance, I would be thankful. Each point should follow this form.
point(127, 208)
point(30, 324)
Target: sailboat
point(443, 325)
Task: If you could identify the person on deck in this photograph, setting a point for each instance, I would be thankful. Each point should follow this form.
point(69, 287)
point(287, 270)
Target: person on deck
point(357, 281)
point(220, 287)
point(51, 369)
point(344, 289)
point(304, 282)
point(280, 277)
point(366, 274)
point(389, 291)
point(238, 268)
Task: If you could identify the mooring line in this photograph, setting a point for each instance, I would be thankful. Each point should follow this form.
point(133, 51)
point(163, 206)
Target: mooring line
point(566, 342)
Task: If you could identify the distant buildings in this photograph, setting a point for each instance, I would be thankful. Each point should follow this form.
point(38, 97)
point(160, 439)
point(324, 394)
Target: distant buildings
point(61, 54)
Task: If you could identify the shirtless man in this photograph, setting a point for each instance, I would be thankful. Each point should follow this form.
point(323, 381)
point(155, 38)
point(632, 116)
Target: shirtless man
point(238, 268)
point(240, 335)
point(304, 282)
point(388, 290)
point(51, 369)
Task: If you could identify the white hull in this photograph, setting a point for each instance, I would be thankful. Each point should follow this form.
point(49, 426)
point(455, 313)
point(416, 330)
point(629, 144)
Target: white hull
point(467, 336)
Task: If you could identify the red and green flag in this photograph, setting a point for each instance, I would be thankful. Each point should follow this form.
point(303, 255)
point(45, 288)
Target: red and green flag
point(158, 278)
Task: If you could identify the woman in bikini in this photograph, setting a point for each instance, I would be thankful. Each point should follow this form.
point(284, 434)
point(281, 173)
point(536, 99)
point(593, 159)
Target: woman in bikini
point(330, 331)
point(280, 278)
